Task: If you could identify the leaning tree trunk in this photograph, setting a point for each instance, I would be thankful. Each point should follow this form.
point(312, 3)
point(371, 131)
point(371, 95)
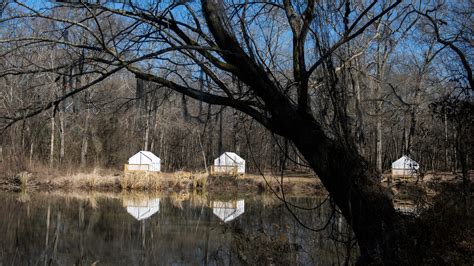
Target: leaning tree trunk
point(353, 185)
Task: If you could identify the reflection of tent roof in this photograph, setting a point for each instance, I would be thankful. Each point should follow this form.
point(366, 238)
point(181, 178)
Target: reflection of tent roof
point(405, 162)
point(143, 209)
point(228, 211)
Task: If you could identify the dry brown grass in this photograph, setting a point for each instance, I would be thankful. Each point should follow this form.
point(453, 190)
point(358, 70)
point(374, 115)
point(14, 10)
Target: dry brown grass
point(257, 183)
point(98, 179)
point(135, 181)
point(89, 181)
point(163, 181)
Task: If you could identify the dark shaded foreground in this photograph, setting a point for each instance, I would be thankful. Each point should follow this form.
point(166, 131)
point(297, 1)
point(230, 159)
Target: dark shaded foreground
point(443, 233)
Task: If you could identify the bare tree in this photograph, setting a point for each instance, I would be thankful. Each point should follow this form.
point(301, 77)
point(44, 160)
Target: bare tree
point(299, 93)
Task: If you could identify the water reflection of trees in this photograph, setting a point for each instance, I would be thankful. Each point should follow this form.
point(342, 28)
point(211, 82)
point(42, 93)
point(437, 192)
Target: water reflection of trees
point(52, 230)
point(273, 236)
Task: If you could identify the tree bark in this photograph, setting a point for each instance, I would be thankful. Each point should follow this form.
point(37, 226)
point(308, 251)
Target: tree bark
point(446, 143)
point(32, 144)
point(235, 133)
point(220, 145)
point(379, 143)
point(62, 137)
point(353, 185)
point(202, 151)
point(358, 109)
point(51, 149)
point(85, 140)
point(147, 130)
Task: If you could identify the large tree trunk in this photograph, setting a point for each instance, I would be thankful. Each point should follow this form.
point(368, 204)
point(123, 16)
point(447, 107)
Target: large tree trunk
point(350, 180)
point(353, 185)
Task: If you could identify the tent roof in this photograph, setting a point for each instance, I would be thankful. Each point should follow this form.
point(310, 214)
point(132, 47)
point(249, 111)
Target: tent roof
point(149, 155)
point(405, 162)
point(233, 156)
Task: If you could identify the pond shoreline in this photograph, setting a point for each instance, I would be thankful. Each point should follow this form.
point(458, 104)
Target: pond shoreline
point(164, 182)
point(405, 194)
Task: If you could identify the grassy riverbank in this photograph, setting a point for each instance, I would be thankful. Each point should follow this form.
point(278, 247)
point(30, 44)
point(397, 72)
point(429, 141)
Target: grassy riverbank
point(106, 180)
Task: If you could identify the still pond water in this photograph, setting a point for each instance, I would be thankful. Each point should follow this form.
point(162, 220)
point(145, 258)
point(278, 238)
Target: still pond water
point(178, 229)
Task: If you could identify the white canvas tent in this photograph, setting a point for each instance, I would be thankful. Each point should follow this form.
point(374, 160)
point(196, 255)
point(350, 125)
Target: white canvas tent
point(229, 163)
point(405, 167)
point(228, 211)
point(144, 161)
point(142, 209)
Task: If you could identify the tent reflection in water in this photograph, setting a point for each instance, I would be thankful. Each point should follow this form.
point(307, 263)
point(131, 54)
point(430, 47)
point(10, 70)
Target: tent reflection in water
point(142, 209)
point(228, 210)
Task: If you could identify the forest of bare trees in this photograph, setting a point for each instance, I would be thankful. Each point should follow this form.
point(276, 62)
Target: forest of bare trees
point(343, 88)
